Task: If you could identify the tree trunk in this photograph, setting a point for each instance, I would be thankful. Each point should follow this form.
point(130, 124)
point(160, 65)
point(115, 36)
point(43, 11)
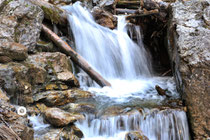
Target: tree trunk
point(51, 12)
point(79, 60)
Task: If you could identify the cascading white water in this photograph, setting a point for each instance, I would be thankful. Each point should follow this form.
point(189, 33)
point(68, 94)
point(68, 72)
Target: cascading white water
point(125, 64)
point(111, 52)
point(156, 125)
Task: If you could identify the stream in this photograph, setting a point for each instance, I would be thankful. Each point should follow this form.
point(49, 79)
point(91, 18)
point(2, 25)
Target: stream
point(132, 103)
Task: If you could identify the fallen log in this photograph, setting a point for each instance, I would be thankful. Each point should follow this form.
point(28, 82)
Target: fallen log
point(125, 11)
point(79, 60)
point(51, 12)
point(145, 13)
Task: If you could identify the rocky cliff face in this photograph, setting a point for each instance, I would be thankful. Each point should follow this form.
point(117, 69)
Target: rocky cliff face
point(26, 78)
point(189, 49)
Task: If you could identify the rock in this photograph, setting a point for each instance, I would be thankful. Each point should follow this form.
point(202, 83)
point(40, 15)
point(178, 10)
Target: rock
point(17, 123)
point(5, 59)
point(38, 108)
point(57, 65)
point(206, 15)
point(80, 108)
point(189, 48)
point(17, 80)
point(15, 51)
point(66, 133)
point(3, 95)
point(60, 2)
point(58, 117)
point(67, 76)
point(136, 135)
point(118, 110)
point(20, 21)
point(108, 5)
point(43, 46)
point(76, 131)
point(55, 98)
point(103, 17)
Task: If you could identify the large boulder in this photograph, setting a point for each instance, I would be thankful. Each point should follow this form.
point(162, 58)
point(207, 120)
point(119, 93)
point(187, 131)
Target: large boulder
point(59, 118)
point(189, 49)
point(20, 22)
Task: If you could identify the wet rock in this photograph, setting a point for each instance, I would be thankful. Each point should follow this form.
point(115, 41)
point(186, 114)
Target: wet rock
point(103, 18)
point(136, 135)
point(15, 51)
point(17, 123)
point(55, 98)
point(66, 133)
point(58, 117)
point(189, 51)
point(80, 108)
point(20, 21)
point(76, 131)
point(118, 110)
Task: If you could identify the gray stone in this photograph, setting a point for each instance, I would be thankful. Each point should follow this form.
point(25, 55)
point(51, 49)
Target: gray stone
point(15, 51)
point(189, 49)
point(21, 22)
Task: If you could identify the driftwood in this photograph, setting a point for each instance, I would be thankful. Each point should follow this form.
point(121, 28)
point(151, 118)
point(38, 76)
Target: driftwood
point(79, 60)
point(51, 12)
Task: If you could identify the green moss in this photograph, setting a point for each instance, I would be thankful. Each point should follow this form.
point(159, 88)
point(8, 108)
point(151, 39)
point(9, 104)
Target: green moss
point(4, 4)
point(53, 15)
point(8, 1)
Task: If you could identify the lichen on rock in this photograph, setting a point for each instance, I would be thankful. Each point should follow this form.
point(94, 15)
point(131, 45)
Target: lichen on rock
point(189, 49)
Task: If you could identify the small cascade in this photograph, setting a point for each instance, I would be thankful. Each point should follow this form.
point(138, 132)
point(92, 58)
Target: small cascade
point(168, 124)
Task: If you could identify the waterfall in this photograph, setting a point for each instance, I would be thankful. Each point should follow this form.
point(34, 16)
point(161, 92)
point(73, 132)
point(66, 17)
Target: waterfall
point(112, 53)
point(126, 65)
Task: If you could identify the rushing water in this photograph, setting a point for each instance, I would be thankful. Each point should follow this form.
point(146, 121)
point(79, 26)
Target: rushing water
point(125, 64)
